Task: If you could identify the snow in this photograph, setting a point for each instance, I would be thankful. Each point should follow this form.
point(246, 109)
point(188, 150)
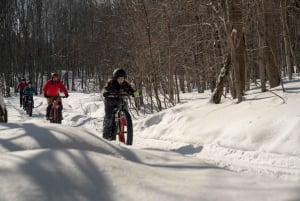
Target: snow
point(194, 151)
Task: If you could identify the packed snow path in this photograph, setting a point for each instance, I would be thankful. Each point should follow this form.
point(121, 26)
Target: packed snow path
point(43, 161)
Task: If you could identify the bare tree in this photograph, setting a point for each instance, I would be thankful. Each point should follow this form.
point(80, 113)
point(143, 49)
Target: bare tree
point(286, 38)
point(271, 50)
point(167, 46)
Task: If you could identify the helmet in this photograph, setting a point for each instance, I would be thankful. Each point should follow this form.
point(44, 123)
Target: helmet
point(54, 74)
point(23, 79)
point(119, 72)
point(29, 82)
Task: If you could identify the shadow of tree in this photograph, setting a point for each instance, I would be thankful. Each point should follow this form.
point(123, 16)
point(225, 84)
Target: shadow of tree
point(65, 163)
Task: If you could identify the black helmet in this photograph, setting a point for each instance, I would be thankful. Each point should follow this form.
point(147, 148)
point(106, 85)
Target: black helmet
point(29, 82)
point(119, 72)
point(23, 79)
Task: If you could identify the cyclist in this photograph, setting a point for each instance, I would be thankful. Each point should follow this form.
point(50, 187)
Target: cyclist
point(21, 86)
point(117, 84)
point(28, 94)
point(51, 89)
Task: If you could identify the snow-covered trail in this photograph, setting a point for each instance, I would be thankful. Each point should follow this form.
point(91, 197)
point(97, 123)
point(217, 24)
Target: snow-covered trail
point(43, 161)
point(66, 163)
point(86, 111)
point(78, 113)
point(17, 114)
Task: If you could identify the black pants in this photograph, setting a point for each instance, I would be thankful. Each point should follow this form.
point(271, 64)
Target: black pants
point(108, 121)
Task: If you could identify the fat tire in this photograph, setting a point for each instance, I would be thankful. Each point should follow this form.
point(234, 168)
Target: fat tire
point(52, 119)
point(29, 109)
point(129, 134)
point(59, 115)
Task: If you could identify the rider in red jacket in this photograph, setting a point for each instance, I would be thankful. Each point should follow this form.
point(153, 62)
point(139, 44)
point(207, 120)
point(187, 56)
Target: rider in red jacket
point(51, 89)
point(21, 86)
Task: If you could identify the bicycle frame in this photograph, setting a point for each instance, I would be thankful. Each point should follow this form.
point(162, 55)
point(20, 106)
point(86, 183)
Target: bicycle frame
point(122, 121)
point(29, 104)
point(54, 112)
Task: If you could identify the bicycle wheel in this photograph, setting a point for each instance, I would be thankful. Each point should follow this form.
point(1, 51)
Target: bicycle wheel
point(58, 115)
point(125, 128)
point(29, 108)
point(51, 114)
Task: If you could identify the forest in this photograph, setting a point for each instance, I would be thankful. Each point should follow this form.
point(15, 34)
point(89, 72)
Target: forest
point(167, 47)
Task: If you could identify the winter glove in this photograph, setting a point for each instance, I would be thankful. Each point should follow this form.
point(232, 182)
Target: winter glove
point(66, 95)
point(136, 94)
point(45, 95)
point(105, 94)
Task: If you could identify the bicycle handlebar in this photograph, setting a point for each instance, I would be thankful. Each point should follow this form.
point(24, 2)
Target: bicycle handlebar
point(56, 97)
point(117, 95)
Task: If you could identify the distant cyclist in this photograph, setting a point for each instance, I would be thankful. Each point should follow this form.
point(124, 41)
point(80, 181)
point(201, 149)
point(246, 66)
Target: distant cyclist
point(51, 89)
point(21, 86)
point(28, 94)
point(117, 84)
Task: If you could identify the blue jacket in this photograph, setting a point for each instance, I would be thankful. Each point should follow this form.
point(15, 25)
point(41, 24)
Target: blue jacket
point(29, 91)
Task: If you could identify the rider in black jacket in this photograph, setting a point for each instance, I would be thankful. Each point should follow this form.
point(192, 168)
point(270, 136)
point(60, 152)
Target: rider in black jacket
point(117, 84)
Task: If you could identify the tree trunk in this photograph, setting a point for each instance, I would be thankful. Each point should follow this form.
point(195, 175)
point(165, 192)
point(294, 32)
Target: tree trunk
point(286, 40)
point(272, 67)
point(237, 43)
point(154, 73)
point(261, 46)
point(217, 94)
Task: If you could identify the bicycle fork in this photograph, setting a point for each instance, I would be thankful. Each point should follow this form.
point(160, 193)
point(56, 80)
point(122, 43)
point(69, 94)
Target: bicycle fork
point(54, 110)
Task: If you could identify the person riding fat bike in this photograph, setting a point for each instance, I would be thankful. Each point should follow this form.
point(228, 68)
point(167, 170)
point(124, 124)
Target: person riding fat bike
point(28, 92)
point(116, 84)
point(51, 89)
point(21, 86)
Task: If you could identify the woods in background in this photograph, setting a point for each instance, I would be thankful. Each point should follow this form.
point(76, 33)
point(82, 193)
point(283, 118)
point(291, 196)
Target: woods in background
point(166, 46)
